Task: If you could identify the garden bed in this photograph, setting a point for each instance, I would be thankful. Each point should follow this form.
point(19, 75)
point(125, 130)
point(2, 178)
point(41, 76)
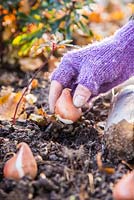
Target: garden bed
point(66, 154)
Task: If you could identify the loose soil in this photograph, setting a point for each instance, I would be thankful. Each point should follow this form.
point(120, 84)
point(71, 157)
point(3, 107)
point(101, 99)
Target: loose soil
point(65, 154)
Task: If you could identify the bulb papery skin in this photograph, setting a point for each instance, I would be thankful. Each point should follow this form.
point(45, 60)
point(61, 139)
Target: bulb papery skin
point(124, 188)
point(65, 121)
point(65, 110)
point(21, 164)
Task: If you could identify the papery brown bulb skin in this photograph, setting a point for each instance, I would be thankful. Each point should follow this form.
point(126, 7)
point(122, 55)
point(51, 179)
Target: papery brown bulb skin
point(65, 110)
point(21, 164)
point(124, 189)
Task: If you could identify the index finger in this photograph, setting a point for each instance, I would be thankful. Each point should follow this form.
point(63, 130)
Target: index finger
point(54, 93)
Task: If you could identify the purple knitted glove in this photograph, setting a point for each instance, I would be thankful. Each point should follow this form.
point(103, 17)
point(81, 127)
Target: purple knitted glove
point(99, 66)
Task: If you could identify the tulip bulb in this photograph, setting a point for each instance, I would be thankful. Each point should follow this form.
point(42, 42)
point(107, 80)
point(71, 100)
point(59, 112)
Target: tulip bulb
point(21, 164)
point(65, 110)
point(124, 189)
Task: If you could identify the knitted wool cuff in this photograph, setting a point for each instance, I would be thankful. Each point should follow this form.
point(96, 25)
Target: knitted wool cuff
point(99, 66)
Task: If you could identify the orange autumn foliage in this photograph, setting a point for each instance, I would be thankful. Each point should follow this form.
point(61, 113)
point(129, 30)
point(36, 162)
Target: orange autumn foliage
point(95, 17)
point(131, 7)
point(9, 17)
point(116, 16)
point(24, 6)
point(34, 83)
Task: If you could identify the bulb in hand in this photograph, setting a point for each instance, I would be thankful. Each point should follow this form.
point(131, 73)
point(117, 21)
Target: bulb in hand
point(65, 110)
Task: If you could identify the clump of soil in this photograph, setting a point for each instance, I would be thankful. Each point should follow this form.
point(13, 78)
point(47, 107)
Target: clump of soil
point(65, 154)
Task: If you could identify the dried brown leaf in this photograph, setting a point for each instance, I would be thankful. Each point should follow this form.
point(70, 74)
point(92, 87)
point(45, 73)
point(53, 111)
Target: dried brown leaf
point(8, 105)
point(102, 168)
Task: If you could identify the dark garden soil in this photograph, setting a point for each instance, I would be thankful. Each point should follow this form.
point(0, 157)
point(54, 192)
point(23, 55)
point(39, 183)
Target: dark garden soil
point(65, 154)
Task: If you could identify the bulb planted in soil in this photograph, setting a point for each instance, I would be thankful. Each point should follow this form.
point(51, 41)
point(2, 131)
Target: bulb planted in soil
point(21, 164)
point(65, 110)
point(124, 189)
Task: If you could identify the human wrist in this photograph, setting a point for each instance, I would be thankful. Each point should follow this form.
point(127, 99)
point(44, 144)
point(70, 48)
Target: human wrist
point(125, 35)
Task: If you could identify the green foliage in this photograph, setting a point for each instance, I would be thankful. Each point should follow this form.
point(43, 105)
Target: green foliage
point(49, 17)
point(9, 5)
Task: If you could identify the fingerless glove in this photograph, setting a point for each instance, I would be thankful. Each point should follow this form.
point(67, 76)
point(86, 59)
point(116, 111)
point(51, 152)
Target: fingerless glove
point(101, 65)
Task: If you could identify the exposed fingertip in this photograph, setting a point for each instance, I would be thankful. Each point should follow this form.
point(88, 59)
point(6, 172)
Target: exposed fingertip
point(79, 101)
point(81, 95)
point(54, 93)
point(51, 110)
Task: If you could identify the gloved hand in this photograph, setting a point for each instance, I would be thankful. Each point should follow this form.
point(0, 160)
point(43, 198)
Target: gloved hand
point(95, 68)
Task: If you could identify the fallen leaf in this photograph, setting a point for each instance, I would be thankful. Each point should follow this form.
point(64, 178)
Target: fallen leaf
point(34, 83)
point(102, 168)
point(130, 166)
point(31, 99)
point(8, 103)
point(91, 182)
point(30, 64)
point(36, 118)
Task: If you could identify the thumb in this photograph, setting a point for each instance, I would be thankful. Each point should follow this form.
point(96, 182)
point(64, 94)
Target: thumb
point(81, 95)
point(54, 93)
